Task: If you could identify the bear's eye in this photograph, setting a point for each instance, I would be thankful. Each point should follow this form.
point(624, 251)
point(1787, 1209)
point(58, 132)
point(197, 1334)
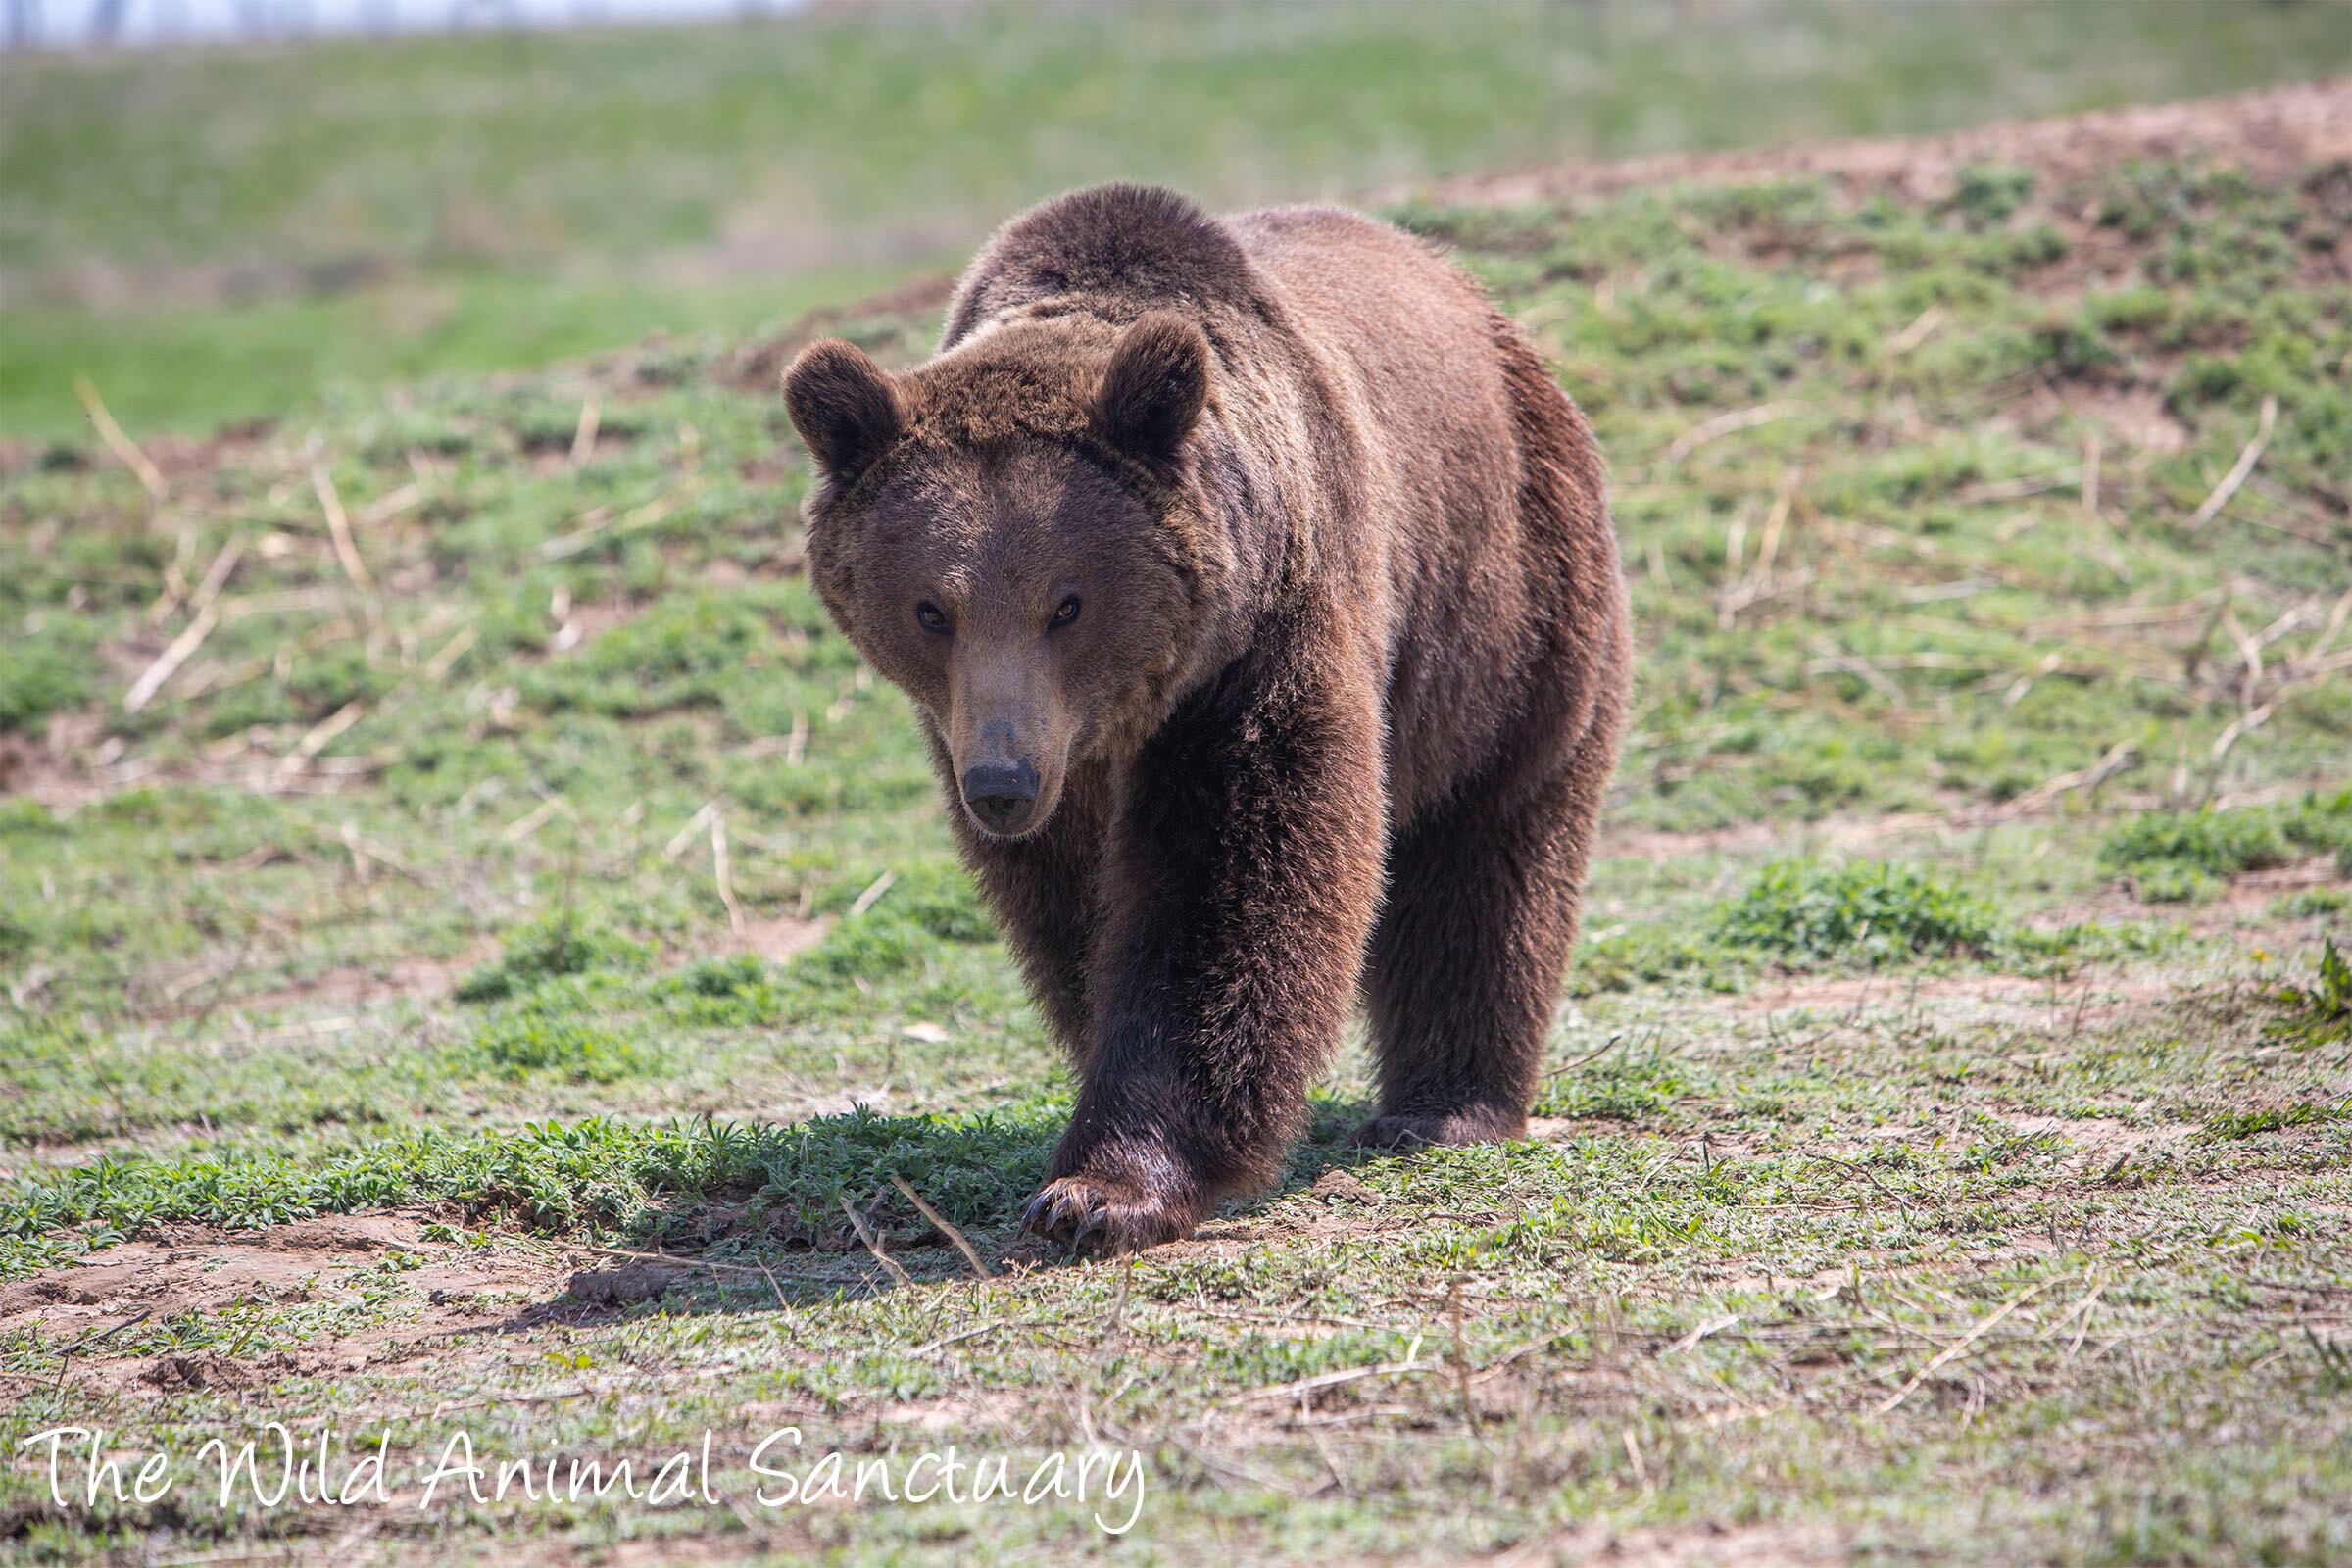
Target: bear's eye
point(1064, 612)
point(931, 617)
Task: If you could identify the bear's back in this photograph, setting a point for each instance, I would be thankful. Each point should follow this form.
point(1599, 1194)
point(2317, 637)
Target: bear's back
point(1143, 246)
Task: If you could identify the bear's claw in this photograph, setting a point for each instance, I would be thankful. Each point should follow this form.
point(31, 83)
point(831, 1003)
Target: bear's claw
point(1096, 1219)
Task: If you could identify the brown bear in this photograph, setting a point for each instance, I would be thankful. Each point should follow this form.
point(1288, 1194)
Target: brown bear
point(1254, 586)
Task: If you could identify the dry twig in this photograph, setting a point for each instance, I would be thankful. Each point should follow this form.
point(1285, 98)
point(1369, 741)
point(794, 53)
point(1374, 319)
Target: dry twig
point(940, 1224)
point(865, 901)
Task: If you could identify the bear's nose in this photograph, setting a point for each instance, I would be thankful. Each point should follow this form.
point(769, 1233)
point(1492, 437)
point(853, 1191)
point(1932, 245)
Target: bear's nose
point(1000, 795)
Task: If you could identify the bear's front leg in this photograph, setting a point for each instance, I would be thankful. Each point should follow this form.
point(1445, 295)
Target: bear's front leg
point(1241, 878)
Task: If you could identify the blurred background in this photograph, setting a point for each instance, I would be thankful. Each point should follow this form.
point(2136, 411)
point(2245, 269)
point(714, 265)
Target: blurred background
point(218, 209)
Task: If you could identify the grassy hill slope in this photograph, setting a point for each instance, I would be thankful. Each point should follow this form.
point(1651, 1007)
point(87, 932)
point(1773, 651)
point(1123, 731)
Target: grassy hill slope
point(1949, 1138)
point(218, 234)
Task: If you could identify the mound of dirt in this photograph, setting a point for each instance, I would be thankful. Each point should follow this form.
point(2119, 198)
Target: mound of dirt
point(2273, 134)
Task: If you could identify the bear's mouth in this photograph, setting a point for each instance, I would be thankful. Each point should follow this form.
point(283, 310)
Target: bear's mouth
point(1008, 802)
point(1010, 825)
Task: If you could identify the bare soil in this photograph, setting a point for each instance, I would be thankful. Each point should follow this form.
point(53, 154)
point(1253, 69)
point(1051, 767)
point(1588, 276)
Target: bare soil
point(136, 1287)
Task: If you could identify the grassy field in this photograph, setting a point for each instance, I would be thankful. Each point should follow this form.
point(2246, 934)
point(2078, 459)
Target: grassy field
point(448, 853)
point(221, 235)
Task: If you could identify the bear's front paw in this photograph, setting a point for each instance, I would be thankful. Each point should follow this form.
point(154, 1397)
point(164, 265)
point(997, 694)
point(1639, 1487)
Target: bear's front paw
point(1100, 1216)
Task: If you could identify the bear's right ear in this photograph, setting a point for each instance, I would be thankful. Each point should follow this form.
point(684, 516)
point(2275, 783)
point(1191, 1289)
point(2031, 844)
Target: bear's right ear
point(1154, 387)
point(844, 408)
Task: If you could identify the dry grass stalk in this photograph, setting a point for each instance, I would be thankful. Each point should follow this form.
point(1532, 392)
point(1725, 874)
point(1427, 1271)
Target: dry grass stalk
point(167, 665)
point(1723, 425)
point(2240, 469)
point(338, 527)
point(693, 829)
point(940, 1224)
point(722, 872)
point(314, 741)
point(865, 901)
point(125, 449)
point(873, 1243)
point(1959, 1347)
point(583, 439)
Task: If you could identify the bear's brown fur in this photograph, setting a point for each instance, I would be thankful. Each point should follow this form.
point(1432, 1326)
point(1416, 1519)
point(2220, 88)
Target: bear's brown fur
point(1256, 587)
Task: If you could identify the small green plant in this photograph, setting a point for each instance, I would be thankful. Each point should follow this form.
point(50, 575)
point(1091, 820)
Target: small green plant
point(532, 1040)
point(41, 675)
point(2319, 1013)
point(1986, 194)
point(561, 945)
point(2236, 1124)
point(2174, 882)
point(2311, 903)
point(2334, 1363)
point(2178, 857)
point(1875, 913)
point(740, 990)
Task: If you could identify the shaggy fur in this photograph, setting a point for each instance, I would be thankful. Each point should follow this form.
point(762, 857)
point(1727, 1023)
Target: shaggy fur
point(1264, 553)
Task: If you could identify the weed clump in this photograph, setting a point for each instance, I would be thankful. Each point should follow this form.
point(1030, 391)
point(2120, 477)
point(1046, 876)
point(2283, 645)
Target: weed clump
point(561, 945)
point(45, 674)
point(2180, 856)
point(740, 990)
point(2319, 1013)
point(1870, 912)
point(538, 1040)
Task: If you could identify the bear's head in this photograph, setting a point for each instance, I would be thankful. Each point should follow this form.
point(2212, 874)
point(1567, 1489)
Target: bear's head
point(1013, 534)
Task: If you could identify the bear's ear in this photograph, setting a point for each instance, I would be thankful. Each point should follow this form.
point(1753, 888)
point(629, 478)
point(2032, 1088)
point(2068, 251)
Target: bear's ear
point(844, 408)
point(1154, 389)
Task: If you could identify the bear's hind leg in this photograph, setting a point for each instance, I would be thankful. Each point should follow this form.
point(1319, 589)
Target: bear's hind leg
point(1465, 966)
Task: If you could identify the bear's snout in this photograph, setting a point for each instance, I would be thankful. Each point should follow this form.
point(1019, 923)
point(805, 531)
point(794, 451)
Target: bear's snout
point(1000, 796)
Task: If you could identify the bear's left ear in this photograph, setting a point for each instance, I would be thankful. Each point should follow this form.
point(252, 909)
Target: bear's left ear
point(1154, 389)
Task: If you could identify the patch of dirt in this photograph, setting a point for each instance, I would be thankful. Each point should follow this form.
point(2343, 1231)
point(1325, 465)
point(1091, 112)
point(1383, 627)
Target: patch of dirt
point(175, 457)
point(2241, 908)
point(210, 1370)
point(781, 936)
point(1701, 1546)
point(2103, 1140)
point(760, 368)
point(359, 984)
point(976, 1410)
point(2274, 135)
point(619, 1287)
point(2135, 413)
point(55, 769)
point(194, 1272)
point(1966, 815)
point(1851, 992)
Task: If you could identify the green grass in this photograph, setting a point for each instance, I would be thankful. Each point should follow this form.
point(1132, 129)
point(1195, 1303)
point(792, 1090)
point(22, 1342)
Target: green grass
point(2177, 857)
point(218, 234)
point(1905, 1186)
point(1877, 913)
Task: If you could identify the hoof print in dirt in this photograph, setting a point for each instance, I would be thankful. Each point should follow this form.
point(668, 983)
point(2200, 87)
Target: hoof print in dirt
point(626, 1285)
point(210, 1372)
